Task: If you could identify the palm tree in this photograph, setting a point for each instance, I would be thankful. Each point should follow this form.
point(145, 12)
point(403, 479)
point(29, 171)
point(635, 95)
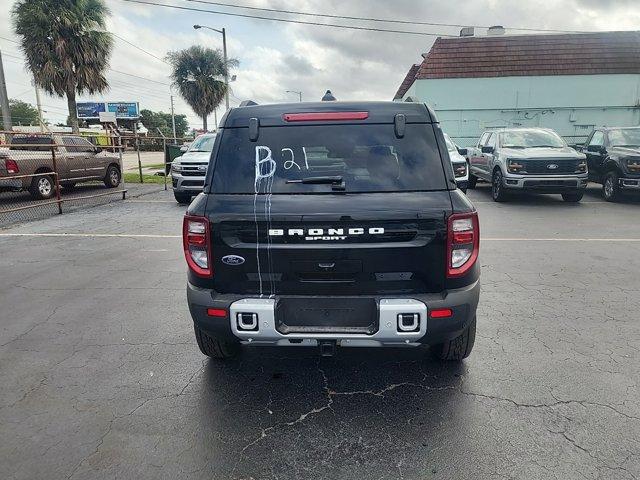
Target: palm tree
point(199, 74)
point(66, 46)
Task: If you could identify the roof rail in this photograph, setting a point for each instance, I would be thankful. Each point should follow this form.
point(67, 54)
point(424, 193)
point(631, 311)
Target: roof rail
point(247, 103)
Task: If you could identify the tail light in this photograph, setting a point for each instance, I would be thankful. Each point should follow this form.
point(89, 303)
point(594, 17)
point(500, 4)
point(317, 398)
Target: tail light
point(463, 243)
point(11, 165)
point(196, 239)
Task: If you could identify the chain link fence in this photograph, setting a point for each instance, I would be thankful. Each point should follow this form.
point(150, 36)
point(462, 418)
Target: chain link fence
point(43, 174)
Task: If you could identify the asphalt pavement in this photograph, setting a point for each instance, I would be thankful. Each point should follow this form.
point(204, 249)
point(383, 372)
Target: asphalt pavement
point(101, 376)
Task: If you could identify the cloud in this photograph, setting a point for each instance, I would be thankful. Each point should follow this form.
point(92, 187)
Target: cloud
point(275, 57)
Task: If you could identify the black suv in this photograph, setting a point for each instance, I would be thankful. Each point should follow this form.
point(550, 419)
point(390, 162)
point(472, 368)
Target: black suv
point(332, 224)
point(613, 155)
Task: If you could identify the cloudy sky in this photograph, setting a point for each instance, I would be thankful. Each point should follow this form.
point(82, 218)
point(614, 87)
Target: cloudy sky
point(275, 57)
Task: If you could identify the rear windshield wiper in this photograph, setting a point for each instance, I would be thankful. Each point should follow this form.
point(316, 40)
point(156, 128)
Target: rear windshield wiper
point(336, 181)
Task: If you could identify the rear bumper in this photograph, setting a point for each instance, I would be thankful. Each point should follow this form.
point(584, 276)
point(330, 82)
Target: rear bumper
point(9, 184)
point(546, 183)
point(463, 302)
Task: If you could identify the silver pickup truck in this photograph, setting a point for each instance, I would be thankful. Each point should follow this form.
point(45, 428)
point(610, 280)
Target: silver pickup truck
point(77, 160)
point(527, 159)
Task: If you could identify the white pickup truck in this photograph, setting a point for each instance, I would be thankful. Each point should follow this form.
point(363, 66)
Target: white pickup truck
point(77, 160)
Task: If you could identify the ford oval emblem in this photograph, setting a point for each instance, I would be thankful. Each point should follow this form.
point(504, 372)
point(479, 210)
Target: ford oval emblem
point(552, 166)
point(233, 260)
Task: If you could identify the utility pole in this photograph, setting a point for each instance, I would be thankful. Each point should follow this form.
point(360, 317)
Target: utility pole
point(40, 121)
point(4, 100)
point(173, 122)
point(215, 117)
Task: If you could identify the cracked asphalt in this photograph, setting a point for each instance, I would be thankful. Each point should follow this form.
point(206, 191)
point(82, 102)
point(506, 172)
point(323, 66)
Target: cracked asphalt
point(101, 377)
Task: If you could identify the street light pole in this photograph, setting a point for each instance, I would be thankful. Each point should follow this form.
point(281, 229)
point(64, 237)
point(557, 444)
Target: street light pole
point(296, 92)
point(226, 68)
point(223, 32)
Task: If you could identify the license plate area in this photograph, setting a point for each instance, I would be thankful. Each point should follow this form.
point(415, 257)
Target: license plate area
point(344, 315)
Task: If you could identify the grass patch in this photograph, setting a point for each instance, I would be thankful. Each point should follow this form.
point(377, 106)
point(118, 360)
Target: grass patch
point(135, 178)
point(159, 166)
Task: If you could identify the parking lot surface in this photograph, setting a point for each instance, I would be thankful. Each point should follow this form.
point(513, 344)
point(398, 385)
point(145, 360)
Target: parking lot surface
point(101, 376)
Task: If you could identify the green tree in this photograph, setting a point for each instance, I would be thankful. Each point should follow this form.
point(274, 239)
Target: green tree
point(199, 74)
point(160, 120)
point(66, 47)
point(22, 113)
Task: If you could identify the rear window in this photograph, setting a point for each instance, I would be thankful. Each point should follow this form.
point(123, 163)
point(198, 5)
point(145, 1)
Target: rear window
point(367, 158)
point(31, 142)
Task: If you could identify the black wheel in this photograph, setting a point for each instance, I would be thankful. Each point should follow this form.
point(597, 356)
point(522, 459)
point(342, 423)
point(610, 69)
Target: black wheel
point(112, 178)
point(611, 187)
point(472, 181)
point(68, 185)
point(182, 198)
point(42, 187)
point(458, 348)
point(214, 348)
point(498, 192)
point(573, 197)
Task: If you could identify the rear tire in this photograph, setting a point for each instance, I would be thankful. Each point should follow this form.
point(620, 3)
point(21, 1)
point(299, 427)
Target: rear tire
point(572, 197)
point(42, 187)
point(459, 348)
point(214, 348)
point(113, 177)
point(498, 192)
point(182, 198)
point(611, 187)
point(472, 181)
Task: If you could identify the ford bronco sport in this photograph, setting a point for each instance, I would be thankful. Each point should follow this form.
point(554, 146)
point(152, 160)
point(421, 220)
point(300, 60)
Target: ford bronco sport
point(332, 224)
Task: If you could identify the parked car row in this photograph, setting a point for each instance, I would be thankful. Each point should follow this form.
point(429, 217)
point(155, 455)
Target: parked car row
point(539, 160)
point(27, 163)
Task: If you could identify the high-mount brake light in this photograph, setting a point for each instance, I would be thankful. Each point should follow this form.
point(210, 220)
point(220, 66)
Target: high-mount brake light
point(11, 166)
point(196, 240)
point(324, 116)
point(463, 243)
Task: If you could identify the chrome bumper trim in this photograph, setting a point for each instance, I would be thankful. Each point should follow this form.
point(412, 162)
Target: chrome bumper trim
point(388, 333)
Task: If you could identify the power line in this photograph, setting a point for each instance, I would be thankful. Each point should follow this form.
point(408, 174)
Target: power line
point(371, 19)
point(12, 54)
point(139, 48)
point(9, 39)
point(301, 22)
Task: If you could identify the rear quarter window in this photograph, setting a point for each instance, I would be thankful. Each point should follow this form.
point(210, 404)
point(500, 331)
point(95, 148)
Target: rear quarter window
point(32, 143)
point(368, 157)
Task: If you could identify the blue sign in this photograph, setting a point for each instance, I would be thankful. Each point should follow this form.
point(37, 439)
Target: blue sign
point(90, 109)
point(123, 110)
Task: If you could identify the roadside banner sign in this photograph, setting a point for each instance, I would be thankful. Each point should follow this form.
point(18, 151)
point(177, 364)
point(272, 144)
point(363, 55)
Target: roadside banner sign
point(122, 110)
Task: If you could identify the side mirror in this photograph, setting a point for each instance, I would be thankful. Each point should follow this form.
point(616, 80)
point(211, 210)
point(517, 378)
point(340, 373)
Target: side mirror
point(97, 149)
point(463, 151)
point(487, 149)
point(596, 149)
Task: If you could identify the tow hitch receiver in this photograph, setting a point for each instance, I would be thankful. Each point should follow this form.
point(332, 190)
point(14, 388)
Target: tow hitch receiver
point(327, 348)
